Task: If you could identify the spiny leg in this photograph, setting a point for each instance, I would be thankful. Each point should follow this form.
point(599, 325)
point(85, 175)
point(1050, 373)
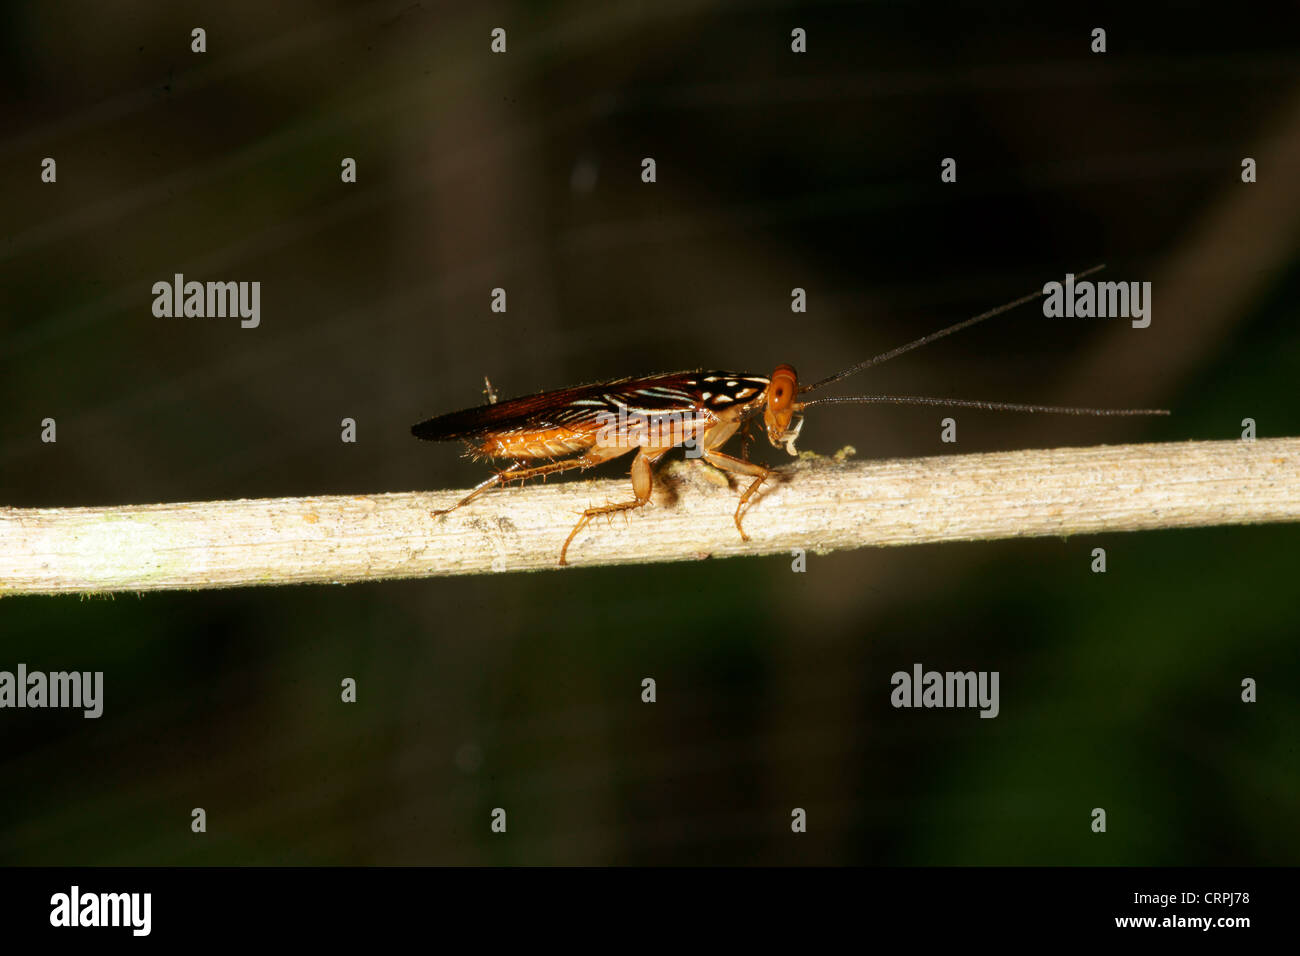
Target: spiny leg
point(738, 466)
point(478, 489)
point(642, 483)
point(516, 472)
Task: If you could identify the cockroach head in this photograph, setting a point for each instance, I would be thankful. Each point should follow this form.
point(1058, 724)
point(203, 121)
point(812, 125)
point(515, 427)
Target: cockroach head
point(779, 407)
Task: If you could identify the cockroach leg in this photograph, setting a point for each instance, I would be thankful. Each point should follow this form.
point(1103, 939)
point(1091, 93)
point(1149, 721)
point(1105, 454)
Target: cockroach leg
point(477, 490)
point(516, 472)
point(738, 466)
point(642, 485)
point(745, 438)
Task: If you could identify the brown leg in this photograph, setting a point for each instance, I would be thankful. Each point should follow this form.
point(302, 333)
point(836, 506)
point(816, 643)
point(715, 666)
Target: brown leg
point(738, 466)
point(745, 438)
point(516, 472)
point(642, 483)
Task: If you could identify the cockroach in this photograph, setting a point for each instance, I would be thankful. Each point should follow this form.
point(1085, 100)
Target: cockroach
point(583, 426)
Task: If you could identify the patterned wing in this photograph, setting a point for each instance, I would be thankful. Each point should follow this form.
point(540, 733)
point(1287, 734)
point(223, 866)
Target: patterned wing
point(583, 406)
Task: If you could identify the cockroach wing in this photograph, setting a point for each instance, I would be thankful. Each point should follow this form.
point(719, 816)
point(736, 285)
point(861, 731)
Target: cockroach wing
point(515, 414)
point(586, 406)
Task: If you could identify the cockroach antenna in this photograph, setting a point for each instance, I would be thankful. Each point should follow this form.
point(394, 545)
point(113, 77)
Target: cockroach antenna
point(935, 336)
point(958, 402)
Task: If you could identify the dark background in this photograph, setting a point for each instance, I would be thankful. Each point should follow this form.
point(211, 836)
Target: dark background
point(523, 171)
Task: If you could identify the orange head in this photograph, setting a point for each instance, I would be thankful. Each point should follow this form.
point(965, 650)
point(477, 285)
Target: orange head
point(779, 404)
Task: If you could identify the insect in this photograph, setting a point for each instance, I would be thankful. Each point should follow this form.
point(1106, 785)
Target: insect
point(583, 426)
